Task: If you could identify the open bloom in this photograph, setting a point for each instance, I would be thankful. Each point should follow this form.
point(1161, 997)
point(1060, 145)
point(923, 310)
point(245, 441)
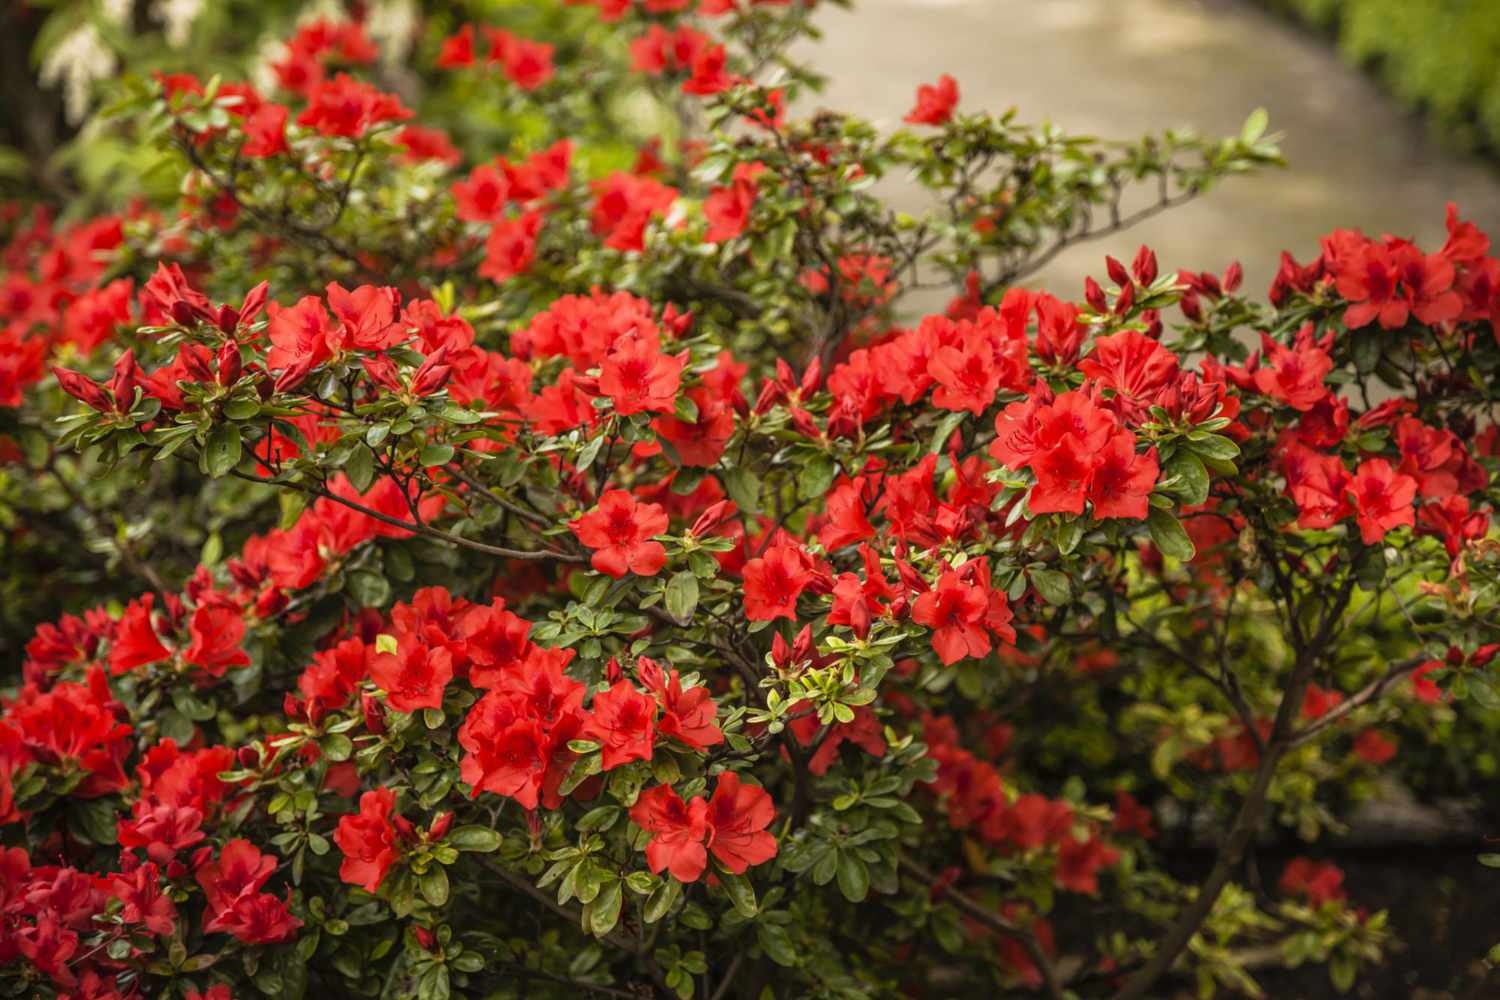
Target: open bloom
point(732, 823)
point(368, 840)
point(620, 531)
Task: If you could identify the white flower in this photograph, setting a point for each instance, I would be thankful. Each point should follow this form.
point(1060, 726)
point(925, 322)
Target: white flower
point(76, 62)
point(177, 17)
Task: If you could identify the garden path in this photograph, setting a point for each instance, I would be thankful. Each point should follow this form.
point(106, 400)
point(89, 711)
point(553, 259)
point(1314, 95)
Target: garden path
point(1119, 68)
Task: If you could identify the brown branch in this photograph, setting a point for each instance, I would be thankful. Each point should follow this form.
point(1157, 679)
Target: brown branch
point(1247, 821)
point(1021, 935)
point(1365, 695)
point(416, 529)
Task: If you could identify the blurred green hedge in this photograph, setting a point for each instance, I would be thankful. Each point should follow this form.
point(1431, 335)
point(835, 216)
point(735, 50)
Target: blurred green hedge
point(1442, 56)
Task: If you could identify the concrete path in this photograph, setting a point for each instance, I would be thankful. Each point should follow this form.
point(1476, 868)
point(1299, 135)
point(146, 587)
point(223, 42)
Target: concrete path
point(1118, 68)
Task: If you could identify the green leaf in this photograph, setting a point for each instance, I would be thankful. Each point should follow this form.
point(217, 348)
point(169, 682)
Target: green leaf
point(479, 839)
point(853, 877)
point(1053, 585)
point(602, 913)
point(1215, 446)
point(292, 504)
point(661, 900)
point(1255, 126)
point(945, 430)
point(360, 468)
point(741, 893)
point(1482, 689)
point(434, 455)
point(816, 476)
point(222, 452)
point(743, 487)
point(434, 885)
point(369, 588)
point(1170, 536)
point(1192, 478)
point(682, 596)
point(336, 747)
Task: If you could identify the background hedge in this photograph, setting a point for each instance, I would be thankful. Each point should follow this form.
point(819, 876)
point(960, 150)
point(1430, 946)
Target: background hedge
point(1442, 56)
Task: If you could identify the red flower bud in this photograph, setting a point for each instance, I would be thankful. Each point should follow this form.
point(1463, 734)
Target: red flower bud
point(1117, 272)
point(382, 371)
point(230, 365)
point(255, 301)
point(433, 374)
point(184, 314)
point(440, 826)
point(1191, 308)
point(293, 375)
point(1094, 296)
point(1125, 301)
point(1233, 275)
point(228, 319)
point(612, 672)
point(711, 518)
point(82, 388)
point(1144, 266)
point(770, 394)
point(374, 711)
point(812, 376)
point(122, 385)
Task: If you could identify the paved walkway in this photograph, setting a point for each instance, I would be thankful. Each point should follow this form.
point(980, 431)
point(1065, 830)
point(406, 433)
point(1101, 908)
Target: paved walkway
point(1117, 68)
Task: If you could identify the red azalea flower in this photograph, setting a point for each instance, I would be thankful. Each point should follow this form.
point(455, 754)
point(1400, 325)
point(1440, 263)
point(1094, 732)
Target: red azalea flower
point(1122, 481)
point(1294, 375)
point(1382, 499)
point(1064, 474)
point(955, 610)
point(414, 676)
point(511, 247)
point(677, 831)
point(369, 840)
point(1374, 747)
point(738, 815)
point(481, 196)
point(935, 103)
point(216, 631)
point(135, 641)
point(1078, 863)
point(623, 721)
point(257, 919)
point(265, 131)
point(458, 49)
point(620, 530)
point(640, 379)
point(727, 209)
point(774, 581)
point(1316, 881)
point(238, 872)
point(346, 107)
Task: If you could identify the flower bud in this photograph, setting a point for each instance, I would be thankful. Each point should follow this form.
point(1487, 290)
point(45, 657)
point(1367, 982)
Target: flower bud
point(1144, 266)
point(230, 365)
point(374, 711)
point(712, 518)
point(82, 388)
point(1094, 296)
point(293, 375)
point(1117, 272)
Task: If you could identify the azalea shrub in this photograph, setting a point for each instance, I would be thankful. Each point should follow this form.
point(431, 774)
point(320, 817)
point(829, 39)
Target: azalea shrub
point(523, 552)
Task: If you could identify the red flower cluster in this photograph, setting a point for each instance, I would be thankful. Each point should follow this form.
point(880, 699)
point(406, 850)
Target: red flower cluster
point(732, 825)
